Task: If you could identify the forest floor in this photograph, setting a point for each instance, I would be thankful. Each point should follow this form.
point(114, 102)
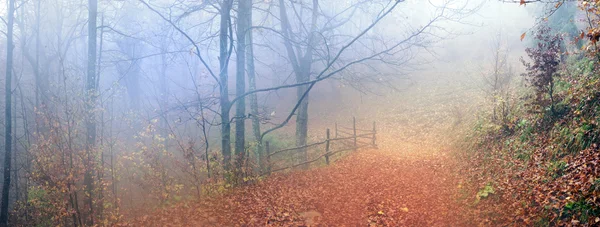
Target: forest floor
point(371, 187)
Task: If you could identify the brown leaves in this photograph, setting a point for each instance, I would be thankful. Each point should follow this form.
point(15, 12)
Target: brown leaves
point(523, 36)
point(559, 182)
point(374, 187)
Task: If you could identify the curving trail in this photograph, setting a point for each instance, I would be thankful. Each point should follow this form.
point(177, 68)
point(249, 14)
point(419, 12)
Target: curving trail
point(366, 188)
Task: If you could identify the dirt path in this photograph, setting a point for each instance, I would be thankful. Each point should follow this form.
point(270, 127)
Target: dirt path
point(369, 187)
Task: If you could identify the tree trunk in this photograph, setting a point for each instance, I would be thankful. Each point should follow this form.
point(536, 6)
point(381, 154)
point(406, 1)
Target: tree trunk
point(100, 174)
point(8, 115)
point(42, 81)
point(302, 69)
point(306, 66)
point(551, 93)
point(164, 93)
point(90, 105)
point(224, 87)
point(244, 6)
point(27, 164)
point(15, 172)
point(302, 115)
point(253, 97)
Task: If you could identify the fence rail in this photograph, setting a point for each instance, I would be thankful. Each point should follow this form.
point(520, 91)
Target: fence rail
point(349, 143)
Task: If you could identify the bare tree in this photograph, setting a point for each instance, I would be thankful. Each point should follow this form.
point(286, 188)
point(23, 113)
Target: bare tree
point(243, 24)
point(498, 78)
point(90, 105)
point(307, 48)
point(302, 65)
point(8, 116)
point(224, 53)
point(251, 70)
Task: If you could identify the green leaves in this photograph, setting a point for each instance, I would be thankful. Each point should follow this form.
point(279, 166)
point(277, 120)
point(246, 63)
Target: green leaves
point(484, 193)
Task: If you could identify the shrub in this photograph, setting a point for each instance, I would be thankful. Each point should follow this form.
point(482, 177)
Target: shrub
point(546, 57)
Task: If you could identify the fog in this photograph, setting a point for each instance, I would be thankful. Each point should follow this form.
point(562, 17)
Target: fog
point(186, 95)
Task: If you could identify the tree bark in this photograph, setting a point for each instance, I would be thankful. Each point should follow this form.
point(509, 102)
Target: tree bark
point(90, 105)
point(244, 6)
point(8, 115)
point(302, 69)
point(100, 174)
point(15, 150)
point(258, 153)
point(164, 93)
point(223, 80)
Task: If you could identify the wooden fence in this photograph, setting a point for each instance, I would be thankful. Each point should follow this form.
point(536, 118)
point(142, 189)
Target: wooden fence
point(344, 139)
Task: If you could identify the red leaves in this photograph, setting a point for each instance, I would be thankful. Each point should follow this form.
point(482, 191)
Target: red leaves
point(545, 61)
point(380, 188)
point(592, 10)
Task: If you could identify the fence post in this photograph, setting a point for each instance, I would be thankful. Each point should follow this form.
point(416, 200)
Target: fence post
point(268, 150)
point(354, 129)
point(374, 135)
point(327, 148)
point(336, 131)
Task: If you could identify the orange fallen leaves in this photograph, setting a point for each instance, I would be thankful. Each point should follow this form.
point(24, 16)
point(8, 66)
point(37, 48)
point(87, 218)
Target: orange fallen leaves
point(372, 187)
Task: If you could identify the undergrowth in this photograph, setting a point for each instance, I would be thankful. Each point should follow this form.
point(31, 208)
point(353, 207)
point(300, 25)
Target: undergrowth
point(542, 164)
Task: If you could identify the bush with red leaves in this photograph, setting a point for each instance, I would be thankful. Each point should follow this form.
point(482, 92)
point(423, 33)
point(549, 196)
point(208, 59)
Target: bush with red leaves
point(544, 65)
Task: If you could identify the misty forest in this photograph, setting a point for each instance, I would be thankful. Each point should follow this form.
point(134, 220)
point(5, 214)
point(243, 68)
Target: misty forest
point(300, 112)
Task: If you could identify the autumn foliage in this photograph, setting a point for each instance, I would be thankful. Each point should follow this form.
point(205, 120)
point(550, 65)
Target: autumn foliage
point(546, 171)
point(544, 65)
point(367, 188)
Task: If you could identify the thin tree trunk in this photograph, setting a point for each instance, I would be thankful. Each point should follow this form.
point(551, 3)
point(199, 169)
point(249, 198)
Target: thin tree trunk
point(90, 104)
point(100, 174)
point(15, 150)
point(41, 80)
point(253, 97)
point(551, 93)
point(223, 80)
point(8, 115)
point(112, 155)
point(164, 93)
point(27, 163)
point(240, 86)
point(40, 88)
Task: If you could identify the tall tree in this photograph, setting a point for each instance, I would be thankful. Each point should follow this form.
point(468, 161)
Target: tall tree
point(225, 50)
point(163, 89)
point(250, 69)
point(41, 82)
point(8, 115)
point(302, 65)
point(90, 104)
point(225, 25)
point(243, 24)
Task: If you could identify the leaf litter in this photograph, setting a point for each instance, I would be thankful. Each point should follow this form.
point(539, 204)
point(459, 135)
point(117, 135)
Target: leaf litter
point(373, 187)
